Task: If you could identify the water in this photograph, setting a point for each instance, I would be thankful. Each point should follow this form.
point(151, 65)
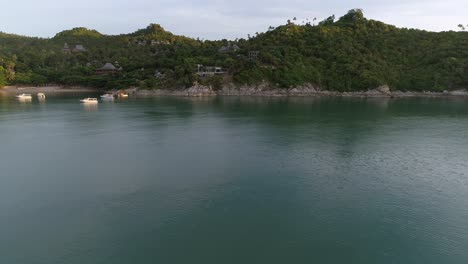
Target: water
point(234, 180)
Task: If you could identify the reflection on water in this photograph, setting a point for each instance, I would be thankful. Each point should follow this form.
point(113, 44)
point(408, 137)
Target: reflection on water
point(25, 100)
point(90, 107)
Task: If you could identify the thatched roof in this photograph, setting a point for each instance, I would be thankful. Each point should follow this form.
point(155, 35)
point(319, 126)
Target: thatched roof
point(108, 67)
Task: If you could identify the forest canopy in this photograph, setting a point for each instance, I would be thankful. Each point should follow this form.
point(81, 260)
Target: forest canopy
point(346, 54)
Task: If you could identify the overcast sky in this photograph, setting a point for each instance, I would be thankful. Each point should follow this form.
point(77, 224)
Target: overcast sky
point(215, 19)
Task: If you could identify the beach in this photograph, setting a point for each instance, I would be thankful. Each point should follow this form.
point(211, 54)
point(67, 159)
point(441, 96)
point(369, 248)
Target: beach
point(46, 89)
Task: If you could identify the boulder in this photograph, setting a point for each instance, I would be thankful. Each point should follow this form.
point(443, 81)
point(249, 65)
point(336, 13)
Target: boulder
point(199, 90)
point(383, 89)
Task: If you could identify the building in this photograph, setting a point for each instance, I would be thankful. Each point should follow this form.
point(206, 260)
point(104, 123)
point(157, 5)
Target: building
point(229, 48)
point(66, 49)
point(253, 55)
point(204, 71)
point(159, 42)
point(159, 75)
point(108, 68)
point(79, 48)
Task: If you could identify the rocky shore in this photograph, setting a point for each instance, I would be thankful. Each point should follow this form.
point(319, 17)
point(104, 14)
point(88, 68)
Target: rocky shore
point(231, 90)
point(301, 91)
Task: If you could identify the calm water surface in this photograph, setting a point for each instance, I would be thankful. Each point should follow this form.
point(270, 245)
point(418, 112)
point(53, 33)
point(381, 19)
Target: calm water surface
point(234, 180)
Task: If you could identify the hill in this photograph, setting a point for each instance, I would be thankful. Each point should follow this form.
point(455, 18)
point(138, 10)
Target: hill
point(351, 53)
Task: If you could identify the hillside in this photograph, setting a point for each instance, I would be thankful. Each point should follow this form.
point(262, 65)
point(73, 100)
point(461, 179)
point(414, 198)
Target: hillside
point(346, 54)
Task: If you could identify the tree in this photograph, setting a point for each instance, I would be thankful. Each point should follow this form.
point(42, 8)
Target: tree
point(461, 27)
point(3, 77)
point(328, 21)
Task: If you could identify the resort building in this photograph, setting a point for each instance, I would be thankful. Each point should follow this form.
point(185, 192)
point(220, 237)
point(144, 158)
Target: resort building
point(229, 48)
point(79, 48)
point(253, 55)
point(159, 75)
point(204, 71)
point(66, 49)
point(159, 42)
point(108, 68)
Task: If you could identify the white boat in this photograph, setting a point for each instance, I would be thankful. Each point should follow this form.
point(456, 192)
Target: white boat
point(107, 96)
point(89, 101)
point(24, 96)
point(123, 95)
point(41, 95)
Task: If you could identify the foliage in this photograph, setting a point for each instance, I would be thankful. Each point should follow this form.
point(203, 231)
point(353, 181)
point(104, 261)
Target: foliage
point(3, 77)
point(348, 54)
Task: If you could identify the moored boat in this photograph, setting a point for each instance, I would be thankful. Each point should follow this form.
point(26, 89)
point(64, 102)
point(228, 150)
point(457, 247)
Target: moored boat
point(24, 96)
point(41, 95)
point(123, 95)
point(89, 101)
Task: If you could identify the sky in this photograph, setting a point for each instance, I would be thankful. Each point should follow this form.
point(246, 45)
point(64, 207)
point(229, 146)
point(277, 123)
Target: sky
point(216, 19)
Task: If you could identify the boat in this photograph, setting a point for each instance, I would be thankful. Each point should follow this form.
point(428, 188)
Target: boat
point(24, 96)
point(107, 96)
point(89, 101)
point(41, 95)
point(123, 95)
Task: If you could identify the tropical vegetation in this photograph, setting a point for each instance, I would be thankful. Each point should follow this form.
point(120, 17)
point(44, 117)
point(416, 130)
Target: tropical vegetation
point(345, 54)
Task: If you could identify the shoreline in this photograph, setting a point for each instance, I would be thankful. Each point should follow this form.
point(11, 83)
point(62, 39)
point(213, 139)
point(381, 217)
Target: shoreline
point(250, 91)
point(46, 89)
point(303, 91)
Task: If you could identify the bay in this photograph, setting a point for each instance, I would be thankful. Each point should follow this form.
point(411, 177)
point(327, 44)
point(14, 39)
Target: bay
point(234, 180)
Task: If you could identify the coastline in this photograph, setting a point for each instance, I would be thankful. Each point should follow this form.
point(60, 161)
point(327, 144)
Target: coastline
point(302, 91)
point(262, 90)
point(46, 89)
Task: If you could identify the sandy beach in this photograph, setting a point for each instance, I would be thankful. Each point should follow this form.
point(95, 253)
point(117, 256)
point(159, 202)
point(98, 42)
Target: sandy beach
point(46, 89)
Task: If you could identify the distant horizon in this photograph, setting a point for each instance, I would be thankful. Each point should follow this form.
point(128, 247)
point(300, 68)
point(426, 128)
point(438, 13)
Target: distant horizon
point(214, 20)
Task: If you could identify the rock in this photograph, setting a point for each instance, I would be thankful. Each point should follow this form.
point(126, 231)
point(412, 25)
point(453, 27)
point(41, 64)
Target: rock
point(264, 89)
point(383, 89)
point(307, 89)
point(380, 91)
point(459, 92)
point(199, 90)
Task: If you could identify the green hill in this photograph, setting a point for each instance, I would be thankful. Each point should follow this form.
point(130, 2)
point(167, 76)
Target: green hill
point(346, 54)
point(78, 33)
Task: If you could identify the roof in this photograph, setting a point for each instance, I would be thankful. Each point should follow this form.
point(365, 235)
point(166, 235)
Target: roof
point(229, 48)
point(109, 67)
point(80, 47)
